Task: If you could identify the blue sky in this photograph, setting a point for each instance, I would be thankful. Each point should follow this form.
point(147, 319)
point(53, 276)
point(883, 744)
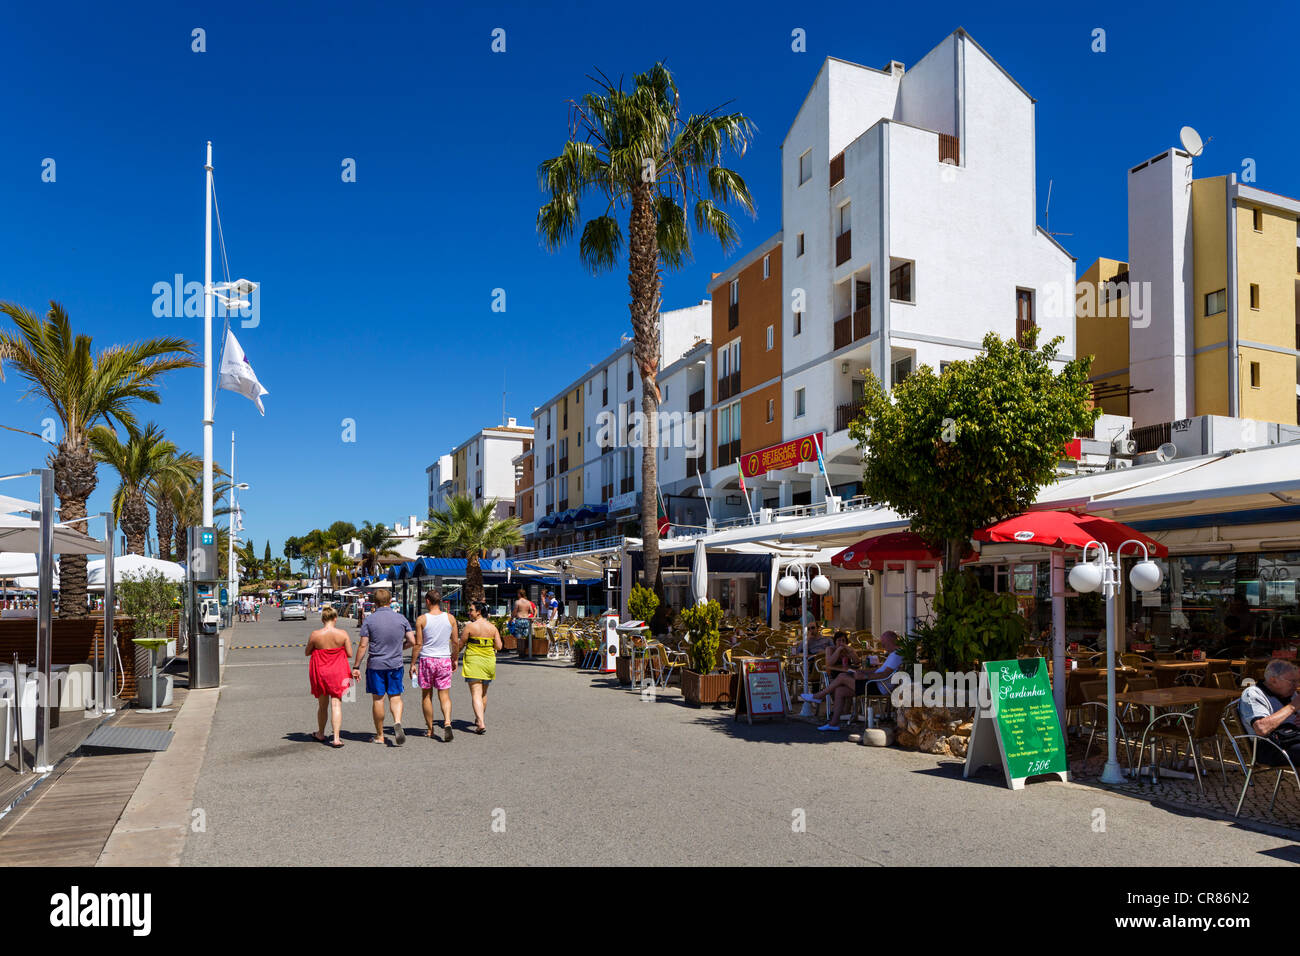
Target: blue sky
point(376, 295)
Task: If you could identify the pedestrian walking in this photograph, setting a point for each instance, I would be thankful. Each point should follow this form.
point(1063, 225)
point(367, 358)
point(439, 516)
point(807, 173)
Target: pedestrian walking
point(329, 648)
point(482, 641)
point(521, 624)
point(433, 660)
point(388, 632)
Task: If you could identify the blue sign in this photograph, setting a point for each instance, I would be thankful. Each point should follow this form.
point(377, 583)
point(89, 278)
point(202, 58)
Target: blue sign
point(208, 538)
point(225, 598)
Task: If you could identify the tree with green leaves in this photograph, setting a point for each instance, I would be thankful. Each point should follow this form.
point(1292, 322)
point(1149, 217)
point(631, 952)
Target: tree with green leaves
point(165, 492)
point(632, 150)
point(84, 389)
point(961, 450)
point(139, 461)
point(464, 529)
point(376, 542)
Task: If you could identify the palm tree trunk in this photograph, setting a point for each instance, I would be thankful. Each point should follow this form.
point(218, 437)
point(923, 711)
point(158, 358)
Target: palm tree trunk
point(643, 284)
point(182, 532)
point(135, 522)
point(164, 521)
point(474, 577)
point(74, 480)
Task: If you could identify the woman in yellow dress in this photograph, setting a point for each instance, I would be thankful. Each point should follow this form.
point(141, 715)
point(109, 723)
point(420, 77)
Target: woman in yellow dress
point(481, 640)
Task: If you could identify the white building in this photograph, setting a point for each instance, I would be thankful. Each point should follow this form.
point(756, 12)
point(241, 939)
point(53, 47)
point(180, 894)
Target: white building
point(440, 482)
point(481, 468)
point(909, 221)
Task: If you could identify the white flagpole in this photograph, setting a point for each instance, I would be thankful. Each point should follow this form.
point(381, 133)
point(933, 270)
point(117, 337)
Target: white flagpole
point(207, 346)
point(230, 538)
point(705, 495)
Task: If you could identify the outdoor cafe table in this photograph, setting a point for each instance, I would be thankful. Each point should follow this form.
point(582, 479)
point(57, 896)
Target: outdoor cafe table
point(1180, 668)
point(1172, 697)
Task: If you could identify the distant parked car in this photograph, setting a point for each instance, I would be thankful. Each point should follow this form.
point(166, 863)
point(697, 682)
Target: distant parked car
point(293, 610)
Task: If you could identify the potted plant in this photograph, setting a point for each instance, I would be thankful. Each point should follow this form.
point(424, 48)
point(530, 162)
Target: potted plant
point(700, 683)
point(150, 600)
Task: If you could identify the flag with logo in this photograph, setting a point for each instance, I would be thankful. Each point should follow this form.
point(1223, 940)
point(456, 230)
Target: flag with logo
point(741, 472)
point(821, 465)
point(237, 374)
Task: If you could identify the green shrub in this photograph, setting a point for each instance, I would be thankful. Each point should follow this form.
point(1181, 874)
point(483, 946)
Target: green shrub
point(970, 625)
point(701, 621)
point(149, 598)
point(642, 603)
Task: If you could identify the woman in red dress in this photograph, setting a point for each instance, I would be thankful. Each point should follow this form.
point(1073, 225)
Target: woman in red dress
point(330, 674)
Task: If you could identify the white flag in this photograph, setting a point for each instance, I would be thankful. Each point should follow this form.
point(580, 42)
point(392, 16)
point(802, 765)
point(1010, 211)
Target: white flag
point(237, 375)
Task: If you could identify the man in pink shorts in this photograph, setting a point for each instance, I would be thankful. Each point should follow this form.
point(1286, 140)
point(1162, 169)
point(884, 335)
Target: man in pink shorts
point(433, 660)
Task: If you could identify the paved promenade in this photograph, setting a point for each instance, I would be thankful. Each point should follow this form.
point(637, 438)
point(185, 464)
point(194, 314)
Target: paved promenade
point(575, 771)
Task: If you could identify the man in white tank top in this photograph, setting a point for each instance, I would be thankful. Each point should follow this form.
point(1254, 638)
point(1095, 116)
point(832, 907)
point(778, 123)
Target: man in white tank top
point(433, 660)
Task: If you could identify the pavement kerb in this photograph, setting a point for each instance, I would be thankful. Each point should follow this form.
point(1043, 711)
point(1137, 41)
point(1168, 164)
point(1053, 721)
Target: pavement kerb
point(153, 827)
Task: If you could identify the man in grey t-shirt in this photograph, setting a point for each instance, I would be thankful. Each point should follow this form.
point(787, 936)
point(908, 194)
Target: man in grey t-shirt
point(1271, 706)
point(384, 633)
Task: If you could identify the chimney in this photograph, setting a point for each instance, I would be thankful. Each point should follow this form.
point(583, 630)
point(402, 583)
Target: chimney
point(510, 422)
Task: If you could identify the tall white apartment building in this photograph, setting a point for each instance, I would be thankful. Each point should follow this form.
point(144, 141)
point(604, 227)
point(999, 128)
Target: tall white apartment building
point(440, 482)
point(909, 231)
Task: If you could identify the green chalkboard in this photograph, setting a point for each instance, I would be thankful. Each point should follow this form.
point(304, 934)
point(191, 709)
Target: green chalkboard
point(1021, 727)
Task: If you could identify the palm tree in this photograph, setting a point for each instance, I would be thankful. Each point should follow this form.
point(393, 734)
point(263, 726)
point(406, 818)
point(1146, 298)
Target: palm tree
point(165, 491)
point(315, 548)
point(634, 150)
point(471, 531)
point(278, 569)
point(376, 542)
point(137, 461)
point(188, 508)
point(339, 568)
point(84, 389)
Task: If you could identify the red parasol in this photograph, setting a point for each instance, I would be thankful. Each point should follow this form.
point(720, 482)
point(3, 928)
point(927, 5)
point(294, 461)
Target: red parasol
point(1065, 529)
point(871, 554)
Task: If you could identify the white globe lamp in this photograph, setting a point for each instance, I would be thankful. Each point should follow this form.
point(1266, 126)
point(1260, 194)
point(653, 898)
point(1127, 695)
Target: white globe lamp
point(1085, 577)
point(821, 584)
point(1146, 575)
point(787, 585)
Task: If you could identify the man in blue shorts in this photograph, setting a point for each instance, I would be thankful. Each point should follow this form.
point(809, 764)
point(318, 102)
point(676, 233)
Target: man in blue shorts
point(389, 632)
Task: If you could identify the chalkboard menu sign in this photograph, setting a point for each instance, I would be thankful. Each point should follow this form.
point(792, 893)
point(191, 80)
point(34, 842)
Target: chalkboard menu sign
point(1020, 729)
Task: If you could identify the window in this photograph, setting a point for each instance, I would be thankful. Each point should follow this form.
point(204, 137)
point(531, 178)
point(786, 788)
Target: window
point(771, 410)
point(1024, 316)
point(798, 323)
point(846, 218)
point(666, 387)
point(735, 291)
point(735, 421)
point(800, 405)
point(767, 266)
point(771, 337)
point(1254, 295)
point(729, 359)
point(805, 167)
point(943, 367)
point(1254, 375)
point(1258, 216)
point(1216, 302)
point(902, 369)
point(900, 282)
point(798, 245)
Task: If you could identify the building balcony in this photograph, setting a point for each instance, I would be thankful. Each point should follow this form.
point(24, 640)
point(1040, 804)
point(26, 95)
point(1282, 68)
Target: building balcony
point(1023, 328)
point(843, 247)
point(627, 484)
point(728, 385)
point(853, 327)
point(844, 414)
point(550, 471)
point(606, 492)
point(564, 464)
point(837, 168)
point(733, 314)
point(695, 466)
point(696, 402)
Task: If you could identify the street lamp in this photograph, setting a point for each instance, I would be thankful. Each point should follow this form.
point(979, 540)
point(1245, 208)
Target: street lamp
point(796, 580)
point(230, 542)
point(1103, 574)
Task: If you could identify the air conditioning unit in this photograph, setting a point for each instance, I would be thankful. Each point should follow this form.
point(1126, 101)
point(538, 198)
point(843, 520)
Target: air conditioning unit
point(1124, 446)
point(1117, 463)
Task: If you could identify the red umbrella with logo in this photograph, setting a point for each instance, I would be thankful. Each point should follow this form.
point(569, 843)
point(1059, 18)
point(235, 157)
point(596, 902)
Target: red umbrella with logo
point(1065, 529)
point(870, 554)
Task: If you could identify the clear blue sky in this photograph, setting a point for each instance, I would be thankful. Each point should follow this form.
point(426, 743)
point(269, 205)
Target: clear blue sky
point(377, 294)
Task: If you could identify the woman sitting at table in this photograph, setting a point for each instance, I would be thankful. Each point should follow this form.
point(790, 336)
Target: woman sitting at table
point(839, 656)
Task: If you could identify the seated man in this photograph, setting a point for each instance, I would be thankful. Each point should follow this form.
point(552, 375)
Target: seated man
point(855, 683)
point(1271, 709)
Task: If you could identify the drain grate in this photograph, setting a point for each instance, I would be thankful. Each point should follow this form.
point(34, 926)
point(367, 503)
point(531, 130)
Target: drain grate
point(117, 739)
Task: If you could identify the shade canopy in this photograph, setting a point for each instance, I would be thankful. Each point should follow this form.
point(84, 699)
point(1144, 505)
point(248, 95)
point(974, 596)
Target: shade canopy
point(1065, 529)
point(700, 573)
point(24, 536)
point(870, 554)
point(133, 566)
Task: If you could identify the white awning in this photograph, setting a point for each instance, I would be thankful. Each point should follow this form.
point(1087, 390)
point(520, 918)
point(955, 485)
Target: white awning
point(24, 536)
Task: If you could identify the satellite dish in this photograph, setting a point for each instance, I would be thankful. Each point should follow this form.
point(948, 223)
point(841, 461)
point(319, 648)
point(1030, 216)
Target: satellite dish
point(1191, 140)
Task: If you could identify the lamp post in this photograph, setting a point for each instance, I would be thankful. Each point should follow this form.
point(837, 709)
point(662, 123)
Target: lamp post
point(796, 580)
point(1103, 574)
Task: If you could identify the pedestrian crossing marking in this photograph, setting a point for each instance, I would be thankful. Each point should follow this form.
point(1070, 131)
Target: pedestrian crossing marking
point(260, 647)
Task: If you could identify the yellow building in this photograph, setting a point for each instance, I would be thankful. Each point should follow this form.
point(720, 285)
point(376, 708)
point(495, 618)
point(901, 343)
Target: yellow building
point(1202, 320)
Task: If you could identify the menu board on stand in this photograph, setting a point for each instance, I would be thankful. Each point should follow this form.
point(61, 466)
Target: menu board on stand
point(761, 689)
point(1020, 729)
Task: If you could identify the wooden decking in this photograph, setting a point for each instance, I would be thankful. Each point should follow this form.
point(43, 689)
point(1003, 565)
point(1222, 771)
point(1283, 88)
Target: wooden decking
point(67, 819)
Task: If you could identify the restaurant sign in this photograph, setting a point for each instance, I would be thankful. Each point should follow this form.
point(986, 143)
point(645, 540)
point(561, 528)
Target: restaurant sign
point(788, 454)
point(1019, 728)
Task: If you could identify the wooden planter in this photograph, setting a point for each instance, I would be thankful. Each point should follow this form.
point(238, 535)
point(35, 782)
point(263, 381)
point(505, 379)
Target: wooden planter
point(706, 688)
point(538, 647)
point(623, 669)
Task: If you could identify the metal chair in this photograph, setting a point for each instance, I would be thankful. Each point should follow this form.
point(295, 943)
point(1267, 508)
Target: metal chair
point(1198, 727)
point(1253, 766)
